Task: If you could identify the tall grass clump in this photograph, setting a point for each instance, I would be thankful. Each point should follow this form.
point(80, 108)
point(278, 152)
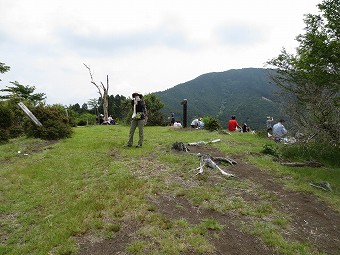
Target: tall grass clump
point(325, 153)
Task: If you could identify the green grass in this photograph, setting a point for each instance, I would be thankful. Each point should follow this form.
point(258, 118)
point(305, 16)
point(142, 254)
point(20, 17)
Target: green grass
point(91, 185)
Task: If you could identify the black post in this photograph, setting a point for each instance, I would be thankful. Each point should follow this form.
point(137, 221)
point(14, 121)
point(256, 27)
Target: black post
point(185, 112)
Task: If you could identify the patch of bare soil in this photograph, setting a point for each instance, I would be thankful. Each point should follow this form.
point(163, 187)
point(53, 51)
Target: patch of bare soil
point(312, 220)
point(231, 240)
point(114, 246)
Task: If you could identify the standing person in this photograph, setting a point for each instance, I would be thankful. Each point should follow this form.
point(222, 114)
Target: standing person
point(279, 131)
point(269, 122)
point(233, 124)
point(138, 118)
point(172, 118)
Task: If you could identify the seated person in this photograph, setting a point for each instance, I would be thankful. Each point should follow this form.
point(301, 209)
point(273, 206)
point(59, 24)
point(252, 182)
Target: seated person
point(195, 123)
point(101, 119)
point(245, 128)
point(110, 120)
point(279, 131)
point(232, 124)
point(177, 124)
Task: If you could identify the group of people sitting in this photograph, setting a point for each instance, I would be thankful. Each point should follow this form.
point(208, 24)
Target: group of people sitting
point(276, 132)
point(234, 126)
point(109, 121)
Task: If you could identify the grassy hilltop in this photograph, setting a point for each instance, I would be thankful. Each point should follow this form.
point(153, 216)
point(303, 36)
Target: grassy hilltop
point(91, 195)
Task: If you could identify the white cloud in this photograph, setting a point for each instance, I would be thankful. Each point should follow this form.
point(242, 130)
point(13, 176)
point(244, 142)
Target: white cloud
point(148, 45)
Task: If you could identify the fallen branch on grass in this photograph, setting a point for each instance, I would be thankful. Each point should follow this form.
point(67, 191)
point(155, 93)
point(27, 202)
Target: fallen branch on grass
point(207, 160)
point(322, 185)
point(180, 146)
point(203, 143)
point(300, 164)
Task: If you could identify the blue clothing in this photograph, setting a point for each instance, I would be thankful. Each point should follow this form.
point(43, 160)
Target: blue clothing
point(279, 131)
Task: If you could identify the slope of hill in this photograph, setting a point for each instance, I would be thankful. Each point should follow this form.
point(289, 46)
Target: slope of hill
point(246, 93)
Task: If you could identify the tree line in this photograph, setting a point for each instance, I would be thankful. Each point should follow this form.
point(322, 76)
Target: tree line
point(119, 107)
point(57, 120)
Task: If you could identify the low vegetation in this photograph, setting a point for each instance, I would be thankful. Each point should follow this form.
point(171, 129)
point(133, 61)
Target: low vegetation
point(57, 195)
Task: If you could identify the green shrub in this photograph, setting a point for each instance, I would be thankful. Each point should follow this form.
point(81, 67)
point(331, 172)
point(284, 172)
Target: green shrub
point(4, 135)
point(6, 122)
point(270, 149)
point(211, 123)
point(86, 119)
point(6, 116)
point(54, 122)
point(16, 130)
point(82, 123)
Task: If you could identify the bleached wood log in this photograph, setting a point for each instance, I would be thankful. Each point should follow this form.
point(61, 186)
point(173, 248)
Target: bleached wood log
point(228, 160)
point(300, 164)
point(206, 160)
point(197, 143)
point(29, 114)
point(322, 185)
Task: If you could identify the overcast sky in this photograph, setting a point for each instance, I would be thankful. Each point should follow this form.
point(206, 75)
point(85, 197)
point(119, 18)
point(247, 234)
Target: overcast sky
point(143, 45)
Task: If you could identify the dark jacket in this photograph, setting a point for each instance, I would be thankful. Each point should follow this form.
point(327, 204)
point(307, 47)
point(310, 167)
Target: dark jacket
point(140, 108)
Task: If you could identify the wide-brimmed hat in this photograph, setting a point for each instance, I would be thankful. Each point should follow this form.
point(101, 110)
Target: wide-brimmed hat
point(136, 94)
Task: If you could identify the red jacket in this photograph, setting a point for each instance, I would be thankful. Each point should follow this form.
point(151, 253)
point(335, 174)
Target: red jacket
point(232, 124)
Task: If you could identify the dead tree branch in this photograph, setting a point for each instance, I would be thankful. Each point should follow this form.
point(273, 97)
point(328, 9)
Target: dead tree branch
point(103, 92)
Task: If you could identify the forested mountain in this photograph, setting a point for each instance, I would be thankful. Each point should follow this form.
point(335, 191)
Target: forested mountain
point(247, 93)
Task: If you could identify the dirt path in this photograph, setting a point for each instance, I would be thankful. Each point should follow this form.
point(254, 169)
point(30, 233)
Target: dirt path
point(311, 219)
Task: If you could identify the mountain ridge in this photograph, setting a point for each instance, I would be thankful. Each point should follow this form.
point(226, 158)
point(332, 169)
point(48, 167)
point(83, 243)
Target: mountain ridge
point(247, 93)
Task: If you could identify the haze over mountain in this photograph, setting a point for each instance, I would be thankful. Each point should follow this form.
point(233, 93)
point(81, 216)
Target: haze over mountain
point(246, 93)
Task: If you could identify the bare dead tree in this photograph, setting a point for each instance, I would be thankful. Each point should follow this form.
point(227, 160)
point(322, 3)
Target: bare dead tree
point(103, 92)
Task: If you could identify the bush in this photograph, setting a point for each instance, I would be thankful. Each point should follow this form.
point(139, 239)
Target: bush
point(6, 116)
point(270, 149)
point(211, 123)
point(86, 119)
point(16, 130)
point(4, 135)
point(54, 122)
point(82, 123)
point(6, 122)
